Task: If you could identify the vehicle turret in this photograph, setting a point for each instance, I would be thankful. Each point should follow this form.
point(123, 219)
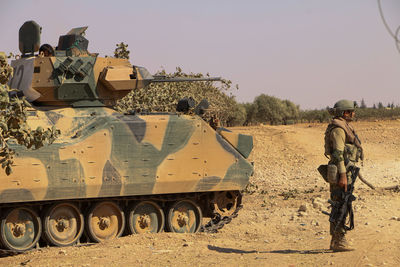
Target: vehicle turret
point(71, 76)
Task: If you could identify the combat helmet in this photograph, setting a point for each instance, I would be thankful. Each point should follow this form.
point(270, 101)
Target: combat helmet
point(341, 106)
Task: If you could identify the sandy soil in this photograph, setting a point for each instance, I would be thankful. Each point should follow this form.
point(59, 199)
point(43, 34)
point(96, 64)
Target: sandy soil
point(270, 231)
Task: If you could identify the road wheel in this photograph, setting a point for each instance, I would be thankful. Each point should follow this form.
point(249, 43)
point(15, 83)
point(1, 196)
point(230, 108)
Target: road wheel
point(20, 229)
point(62, 224)
point(145, 217)
point(184, 216)
point(105, 220)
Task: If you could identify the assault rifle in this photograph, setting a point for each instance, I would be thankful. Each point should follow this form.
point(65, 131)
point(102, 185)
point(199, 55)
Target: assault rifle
point(344, 207)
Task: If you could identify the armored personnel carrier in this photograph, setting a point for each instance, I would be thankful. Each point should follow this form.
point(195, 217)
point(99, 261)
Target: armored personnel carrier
point(108, 173)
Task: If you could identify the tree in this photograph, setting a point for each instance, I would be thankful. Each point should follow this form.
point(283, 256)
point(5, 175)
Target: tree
point(237, 115)
point(121, 51)
point(13, 121)
point(292, 112)
point(315, 115)
point(250, 113)
point(273, 110)
point(269, 109)
point(363, 105)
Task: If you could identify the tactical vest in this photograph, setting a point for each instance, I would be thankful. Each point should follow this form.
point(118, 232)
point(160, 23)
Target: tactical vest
point(353, 150)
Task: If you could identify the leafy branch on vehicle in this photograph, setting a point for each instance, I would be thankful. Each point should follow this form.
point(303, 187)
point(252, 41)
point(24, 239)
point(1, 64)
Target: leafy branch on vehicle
point(13, 121)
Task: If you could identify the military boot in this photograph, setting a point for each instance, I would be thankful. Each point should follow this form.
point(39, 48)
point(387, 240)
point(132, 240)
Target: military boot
point(339, 243)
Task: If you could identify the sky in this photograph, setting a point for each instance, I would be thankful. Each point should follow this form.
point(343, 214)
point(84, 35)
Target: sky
point(310, 52)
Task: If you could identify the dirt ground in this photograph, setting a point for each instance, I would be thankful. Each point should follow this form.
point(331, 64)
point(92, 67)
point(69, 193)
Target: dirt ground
point(270, 231)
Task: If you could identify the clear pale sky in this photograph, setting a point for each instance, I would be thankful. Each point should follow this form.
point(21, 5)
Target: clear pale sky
point(311, 52)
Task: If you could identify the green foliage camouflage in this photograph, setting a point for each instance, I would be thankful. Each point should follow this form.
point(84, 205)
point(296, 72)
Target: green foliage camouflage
point(121, 51)
point(164, 97)
point(13, 125)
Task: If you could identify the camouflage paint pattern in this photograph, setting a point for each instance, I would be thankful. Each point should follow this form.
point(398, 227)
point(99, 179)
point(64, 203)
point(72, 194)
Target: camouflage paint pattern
point(102, 153)
point(243, 143)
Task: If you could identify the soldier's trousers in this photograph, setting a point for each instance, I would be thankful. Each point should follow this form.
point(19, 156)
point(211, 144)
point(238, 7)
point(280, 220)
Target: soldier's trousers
point(336, 195)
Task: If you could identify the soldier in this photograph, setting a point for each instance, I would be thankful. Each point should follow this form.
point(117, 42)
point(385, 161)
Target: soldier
point(343, 148)
point(46, 50)
point(214, 122)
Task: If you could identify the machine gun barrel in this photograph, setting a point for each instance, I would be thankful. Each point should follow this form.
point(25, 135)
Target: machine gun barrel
point(163, 79)
point(146, 78)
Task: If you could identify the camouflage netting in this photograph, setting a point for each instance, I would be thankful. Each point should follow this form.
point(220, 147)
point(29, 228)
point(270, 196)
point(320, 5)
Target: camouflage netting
point(13, 125)
point(6, 71)
point(164, 97)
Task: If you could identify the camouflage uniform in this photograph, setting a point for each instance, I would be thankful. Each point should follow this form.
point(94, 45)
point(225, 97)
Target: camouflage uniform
point(344, 149)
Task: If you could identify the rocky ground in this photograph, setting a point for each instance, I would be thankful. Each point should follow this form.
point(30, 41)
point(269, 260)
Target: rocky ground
point(281, 223)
